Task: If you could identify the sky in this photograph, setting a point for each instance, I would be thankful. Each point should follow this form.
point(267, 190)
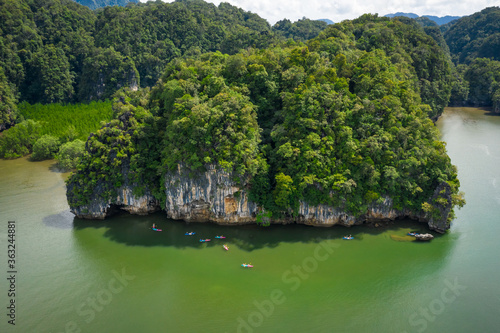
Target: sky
point(275, 10)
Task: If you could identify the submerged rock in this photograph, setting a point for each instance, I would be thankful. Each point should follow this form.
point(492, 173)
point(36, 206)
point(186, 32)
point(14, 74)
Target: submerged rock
point(424, 237)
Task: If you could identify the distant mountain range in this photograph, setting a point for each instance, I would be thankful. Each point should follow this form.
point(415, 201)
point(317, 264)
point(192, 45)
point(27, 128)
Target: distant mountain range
point(327, 21)
point(438, 20)
point(94, 4)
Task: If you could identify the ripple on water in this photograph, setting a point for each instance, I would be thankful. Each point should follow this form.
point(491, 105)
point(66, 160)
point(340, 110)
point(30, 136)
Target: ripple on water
point(482, 147)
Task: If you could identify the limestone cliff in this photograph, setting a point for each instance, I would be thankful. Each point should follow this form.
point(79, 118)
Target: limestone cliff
point(213, 196)
point(439, 222)
point(129, 80)
point(209, 196)
point(124, 199)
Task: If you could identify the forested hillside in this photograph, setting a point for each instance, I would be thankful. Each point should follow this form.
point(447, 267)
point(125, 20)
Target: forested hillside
point(436, 19)
point(8, 108)
point(400, 37)
point(61, 51)
point(302, 30)
point(474, 43)
point(342, 121)
point(475, 36)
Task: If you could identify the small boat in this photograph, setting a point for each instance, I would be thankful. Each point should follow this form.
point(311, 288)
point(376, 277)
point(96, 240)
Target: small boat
point(225, 247)
point(191, 233)
point(413, 233)
point(220, 237)
point(205, 240)
point(247, 265)
point(348, 237)
point(156, 229)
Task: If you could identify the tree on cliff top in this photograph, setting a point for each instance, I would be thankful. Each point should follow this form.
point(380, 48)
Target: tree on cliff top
point(343, 121)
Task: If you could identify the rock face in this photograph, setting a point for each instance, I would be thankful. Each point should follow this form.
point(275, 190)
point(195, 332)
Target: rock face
point(211, 196)
point(323, 215)
point(214, 196)
point(441, 224)
point(125, 200)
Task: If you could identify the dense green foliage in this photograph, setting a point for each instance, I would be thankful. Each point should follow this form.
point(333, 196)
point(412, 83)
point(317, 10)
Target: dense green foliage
point(55, 123)
point(475, 36)
point(460, 87)
point(483, 77)
point(69, 154)
point(61, 51)
point(19, 140)
point(103, 72)
point(8, 108)
point(49, 79)
point(342, 121)
point(70, 121)
point(208, 122)
point(474, 44)
point(399, 38)
point(45, 148)
point(302, 30)
point(124, 151)
point(42, 47)
point(153, 34)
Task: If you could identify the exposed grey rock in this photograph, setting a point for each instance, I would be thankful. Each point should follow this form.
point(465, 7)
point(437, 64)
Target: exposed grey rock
point(210, 196)
point(215, 196)
point(441, 223)
point(424, 237)
point(323, 215)
point(125, 200)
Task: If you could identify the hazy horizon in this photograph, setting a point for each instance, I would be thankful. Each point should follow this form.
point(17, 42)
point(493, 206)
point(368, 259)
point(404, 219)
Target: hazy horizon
point(338, 11)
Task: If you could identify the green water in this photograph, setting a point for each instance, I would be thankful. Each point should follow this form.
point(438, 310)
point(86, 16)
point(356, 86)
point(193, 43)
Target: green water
point(120, 276)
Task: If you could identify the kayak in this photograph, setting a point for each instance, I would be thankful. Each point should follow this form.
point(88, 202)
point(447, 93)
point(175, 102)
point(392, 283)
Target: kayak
point(247, 265)
point(156, 229)
point(190, 233)
point(220, 237)
point(205, 240)
point(225, 247)
point(348, 237)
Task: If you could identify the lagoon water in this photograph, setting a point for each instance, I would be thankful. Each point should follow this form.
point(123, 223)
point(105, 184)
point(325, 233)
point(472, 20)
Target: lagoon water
point(118, 275)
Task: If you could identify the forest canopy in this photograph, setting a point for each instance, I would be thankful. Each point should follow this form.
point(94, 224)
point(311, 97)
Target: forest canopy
point(61, 51)
point(474, 44)
point(343, 121)
point(58, 51)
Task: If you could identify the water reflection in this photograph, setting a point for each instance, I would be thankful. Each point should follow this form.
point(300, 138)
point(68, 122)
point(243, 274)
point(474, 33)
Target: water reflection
point(136, 231)
point(62, 220)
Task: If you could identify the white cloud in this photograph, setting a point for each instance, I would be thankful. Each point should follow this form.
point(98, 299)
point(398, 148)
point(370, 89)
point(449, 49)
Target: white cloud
point(275, 10)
